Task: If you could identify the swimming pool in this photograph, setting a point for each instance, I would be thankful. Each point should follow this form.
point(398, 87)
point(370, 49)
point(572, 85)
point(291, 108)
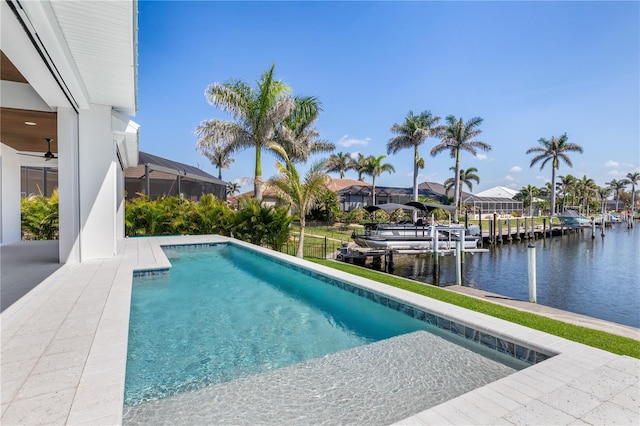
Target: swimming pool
point(225, 313)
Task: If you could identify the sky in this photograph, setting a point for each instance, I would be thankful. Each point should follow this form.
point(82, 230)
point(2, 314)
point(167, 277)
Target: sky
point(530, 70)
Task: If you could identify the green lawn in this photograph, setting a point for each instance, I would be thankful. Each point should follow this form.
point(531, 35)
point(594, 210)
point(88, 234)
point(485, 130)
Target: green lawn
point(598, 339)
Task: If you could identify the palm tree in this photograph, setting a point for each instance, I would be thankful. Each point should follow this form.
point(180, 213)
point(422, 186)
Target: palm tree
point(632, 179)
point(258, 113)
point(526, 194)
point(459, 136)
point(567, 188)
point(411, 134)
point(360, 165)
point(219, 155)
point(339, 163)
point(374, 168)
point(233, 188)
point(553, 150)
point(297, 134)
point(466, 176)
point(616, 186)
point(585, 188)
point(603, 193)
point(301, 194)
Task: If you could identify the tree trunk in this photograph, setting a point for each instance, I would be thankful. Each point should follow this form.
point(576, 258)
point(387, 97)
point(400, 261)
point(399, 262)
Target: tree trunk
point(416, 158)
point(300, 251)
point(553, 190)
point(456, 200)
point(373, 191)
point(257, 183)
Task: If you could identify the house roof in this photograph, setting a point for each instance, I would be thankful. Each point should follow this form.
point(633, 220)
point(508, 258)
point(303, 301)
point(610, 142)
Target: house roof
point(336, 184)
point(498, 192)
point(439, 189)
point(167, 169)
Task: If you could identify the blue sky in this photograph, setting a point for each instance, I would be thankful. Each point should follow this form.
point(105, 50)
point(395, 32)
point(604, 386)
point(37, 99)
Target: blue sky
point(529, 69)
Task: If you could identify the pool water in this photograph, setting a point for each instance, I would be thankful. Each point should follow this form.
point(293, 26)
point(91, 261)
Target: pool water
point(223, 314)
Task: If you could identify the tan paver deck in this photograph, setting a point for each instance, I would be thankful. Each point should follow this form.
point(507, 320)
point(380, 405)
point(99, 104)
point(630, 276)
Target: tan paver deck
point(64, 345)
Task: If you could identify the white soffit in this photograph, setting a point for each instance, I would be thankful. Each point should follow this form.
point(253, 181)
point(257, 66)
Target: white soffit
point(21, 96)
point(102, 38)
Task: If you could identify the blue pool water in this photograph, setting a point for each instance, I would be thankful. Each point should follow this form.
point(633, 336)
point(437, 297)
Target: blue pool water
point(215, 316)
point(223, 313)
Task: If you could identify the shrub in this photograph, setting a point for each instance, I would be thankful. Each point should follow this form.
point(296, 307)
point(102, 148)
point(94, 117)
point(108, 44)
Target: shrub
point(39, 217)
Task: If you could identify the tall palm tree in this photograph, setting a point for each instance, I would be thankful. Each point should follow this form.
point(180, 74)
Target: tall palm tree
point(553, 150)
point(302, 194)
point(297, 134)
point(219, 155)
point(466, 177)
point(616, 186)
point(374, 168)
point(632, 179)
point(339, 163)
point(459, 136)
point(411, 134)
point(257, 112)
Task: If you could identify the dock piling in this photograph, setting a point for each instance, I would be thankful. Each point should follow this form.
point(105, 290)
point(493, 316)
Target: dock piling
point(531, 257)
point(459, 259)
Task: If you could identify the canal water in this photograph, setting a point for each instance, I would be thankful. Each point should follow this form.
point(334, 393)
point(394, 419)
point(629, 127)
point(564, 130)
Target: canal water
point(598, 277)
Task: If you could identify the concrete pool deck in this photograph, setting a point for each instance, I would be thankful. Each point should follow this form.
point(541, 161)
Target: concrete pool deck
point(64, 348)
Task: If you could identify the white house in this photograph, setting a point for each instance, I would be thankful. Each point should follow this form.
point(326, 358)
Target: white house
point(69, 73)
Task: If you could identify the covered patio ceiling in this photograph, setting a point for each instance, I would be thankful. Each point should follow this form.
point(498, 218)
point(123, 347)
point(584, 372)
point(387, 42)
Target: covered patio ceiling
point(22, 129)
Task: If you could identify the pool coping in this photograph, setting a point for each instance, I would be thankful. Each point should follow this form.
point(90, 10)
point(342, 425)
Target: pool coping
point(89, 303)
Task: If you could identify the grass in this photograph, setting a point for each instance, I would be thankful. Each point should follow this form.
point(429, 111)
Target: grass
point(335, 232)
point(595, 338)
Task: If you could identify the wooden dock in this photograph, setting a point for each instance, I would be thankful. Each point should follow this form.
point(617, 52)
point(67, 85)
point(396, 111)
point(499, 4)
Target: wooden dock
point(507, 231)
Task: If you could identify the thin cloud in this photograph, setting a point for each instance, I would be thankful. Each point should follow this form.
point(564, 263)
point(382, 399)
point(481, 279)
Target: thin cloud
point(482, 157)
point(347, 141)
point(612, 163)
point(515, 169)
point(614, 173)
point(509, 178)
point(513, 186)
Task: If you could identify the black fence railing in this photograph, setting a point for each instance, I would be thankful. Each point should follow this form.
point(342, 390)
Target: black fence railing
point(312, 248)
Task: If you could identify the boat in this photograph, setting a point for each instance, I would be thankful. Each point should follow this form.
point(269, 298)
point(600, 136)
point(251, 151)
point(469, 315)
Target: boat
point(413, 236)
point(571, 218)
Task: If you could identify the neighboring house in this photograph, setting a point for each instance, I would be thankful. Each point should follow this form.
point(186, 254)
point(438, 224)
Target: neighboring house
point(270, 198)
point(438, 192)
point(360, 194)
point(76, 85)
point(497, 200)
point(156, 177)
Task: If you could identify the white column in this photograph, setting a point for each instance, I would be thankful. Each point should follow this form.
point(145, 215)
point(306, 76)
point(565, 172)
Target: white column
point(98, 189)
point(68, 186)
point(9, 196)
point(119, 204)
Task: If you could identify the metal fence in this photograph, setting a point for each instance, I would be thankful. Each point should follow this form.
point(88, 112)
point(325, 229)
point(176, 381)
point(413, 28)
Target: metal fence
point(324, 250)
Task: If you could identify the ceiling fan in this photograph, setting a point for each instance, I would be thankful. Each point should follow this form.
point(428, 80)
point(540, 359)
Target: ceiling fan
point(47, 155)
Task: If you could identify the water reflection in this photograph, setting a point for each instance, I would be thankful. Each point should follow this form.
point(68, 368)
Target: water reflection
point(599, 277)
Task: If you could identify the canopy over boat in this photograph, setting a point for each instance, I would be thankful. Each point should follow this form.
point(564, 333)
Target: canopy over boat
point(428, 207)
point(410, 206)
point(389, 207)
